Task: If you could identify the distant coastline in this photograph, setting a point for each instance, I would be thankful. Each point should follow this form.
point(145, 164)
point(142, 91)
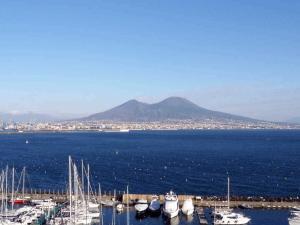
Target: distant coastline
point(4, 132)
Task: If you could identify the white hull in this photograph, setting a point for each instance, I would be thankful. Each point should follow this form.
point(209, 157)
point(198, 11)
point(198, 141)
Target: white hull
point(188, 212)
point(120, 207)
point(188, 207)
point(171, 214)
point(141, 208)
point(231, 218)
point(232, 222)
point(171, 207)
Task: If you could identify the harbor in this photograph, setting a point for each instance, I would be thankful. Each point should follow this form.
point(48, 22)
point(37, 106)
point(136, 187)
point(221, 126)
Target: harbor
point(82, 204)
point(51, 206)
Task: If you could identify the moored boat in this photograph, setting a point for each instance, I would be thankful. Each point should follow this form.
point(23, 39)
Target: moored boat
point(171, 206)
point(141, 206)
point(230, 218)
point(154, 207)
point(21, 201)
point(119, 207)
point(227, 216)
point(188, 207)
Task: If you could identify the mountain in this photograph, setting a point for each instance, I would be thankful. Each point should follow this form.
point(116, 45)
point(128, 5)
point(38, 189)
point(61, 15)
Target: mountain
point(173, 108)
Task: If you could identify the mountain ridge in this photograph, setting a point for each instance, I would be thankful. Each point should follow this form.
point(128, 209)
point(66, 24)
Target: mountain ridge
point(172, 108)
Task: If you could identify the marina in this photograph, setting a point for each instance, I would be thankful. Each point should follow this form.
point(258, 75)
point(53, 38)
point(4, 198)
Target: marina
point(40, 210)
point(80, 204)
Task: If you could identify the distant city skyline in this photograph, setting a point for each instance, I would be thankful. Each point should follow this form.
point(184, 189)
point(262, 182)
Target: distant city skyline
point(65, 57)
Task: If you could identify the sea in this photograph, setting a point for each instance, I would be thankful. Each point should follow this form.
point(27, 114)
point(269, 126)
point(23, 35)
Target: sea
point(259, 163)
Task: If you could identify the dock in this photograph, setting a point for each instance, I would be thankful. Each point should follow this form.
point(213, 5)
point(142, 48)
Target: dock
point(208, 202)
point(203, 202)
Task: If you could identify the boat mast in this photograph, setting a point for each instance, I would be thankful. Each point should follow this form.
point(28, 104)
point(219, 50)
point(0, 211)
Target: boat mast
point(82, 175)
point(6, 190)
point(12, 188)
point(2, 192)
point(101, 214)
point(75, 191)
point(228, 192)
point(23, 188)
point(114, 210)
point(70, 187)
point(127, 202)
point(88, 180)
point(215, 213)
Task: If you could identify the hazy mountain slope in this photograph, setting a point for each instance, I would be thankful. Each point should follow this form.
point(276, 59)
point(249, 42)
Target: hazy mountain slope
point(173, 108)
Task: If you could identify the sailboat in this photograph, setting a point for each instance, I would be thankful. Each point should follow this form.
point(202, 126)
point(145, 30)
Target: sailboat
point(79, 210)
point(20, 200)
point(227, 216)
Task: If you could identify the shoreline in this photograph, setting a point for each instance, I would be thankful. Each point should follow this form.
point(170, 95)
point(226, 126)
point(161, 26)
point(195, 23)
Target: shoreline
point(146, 130)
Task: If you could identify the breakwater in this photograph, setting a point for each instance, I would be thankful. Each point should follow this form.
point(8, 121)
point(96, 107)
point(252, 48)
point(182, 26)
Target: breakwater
point(200, 201)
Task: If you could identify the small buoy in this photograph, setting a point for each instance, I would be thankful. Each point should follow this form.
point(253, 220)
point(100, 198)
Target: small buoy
point(26, 141)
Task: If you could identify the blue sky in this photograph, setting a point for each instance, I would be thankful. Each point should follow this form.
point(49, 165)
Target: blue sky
point(81, 57)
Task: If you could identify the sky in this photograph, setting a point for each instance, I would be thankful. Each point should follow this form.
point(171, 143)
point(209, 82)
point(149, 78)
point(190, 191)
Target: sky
point(86, 56)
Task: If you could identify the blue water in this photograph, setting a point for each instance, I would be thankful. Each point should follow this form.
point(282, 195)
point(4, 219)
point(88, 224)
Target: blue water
point(260, 163)
point(258, 217)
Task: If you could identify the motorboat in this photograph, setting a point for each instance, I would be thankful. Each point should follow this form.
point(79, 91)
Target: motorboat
point(230, 218)
point(171, 206)
point(141, 206)
point(154, 206)
point(188, 207)
point(119, 207)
